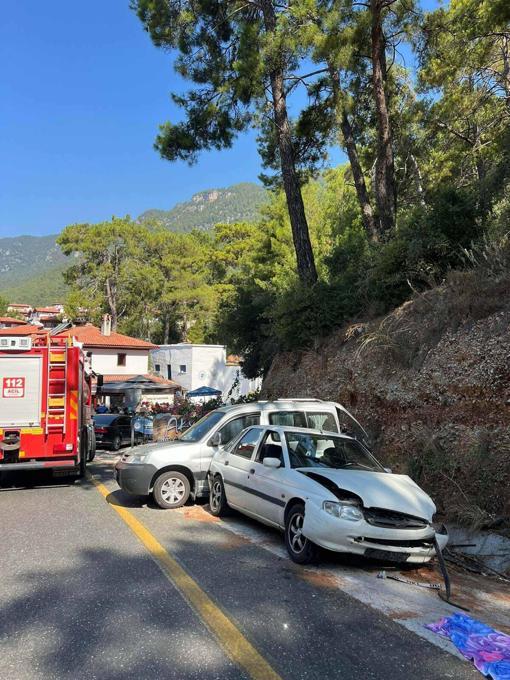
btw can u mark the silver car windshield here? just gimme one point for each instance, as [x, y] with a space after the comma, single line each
[202, 427]
[316, 450]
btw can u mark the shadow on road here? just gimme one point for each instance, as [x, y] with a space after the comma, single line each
[110, 615]
[113, 616]
[32, 479]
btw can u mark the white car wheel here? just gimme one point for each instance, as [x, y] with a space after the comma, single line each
[217, 497]
[300, 548]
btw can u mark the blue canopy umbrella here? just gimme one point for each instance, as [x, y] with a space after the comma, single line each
[204, 392]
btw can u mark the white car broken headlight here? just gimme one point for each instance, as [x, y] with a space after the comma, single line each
[344, 510]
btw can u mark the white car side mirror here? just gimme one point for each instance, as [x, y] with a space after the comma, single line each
[215, 440]
[389, 470]
[271, 462]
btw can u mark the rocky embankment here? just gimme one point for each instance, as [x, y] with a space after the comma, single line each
[431, 383]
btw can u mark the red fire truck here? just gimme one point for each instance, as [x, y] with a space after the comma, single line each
[45, 404]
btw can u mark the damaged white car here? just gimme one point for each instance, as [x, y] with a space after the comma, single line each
[324, 489]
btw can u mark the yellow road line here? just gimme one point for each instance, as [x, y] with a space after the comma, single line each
[235, 644]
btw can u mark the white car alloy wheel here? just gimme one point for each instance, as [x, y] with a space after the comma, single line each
[296, 538]
[216, 492]
[217, 497]
[300, 548]
[171, 490]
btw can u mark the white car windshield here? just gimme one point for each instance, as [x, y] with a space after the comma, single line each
[317, 450]
[202, 427]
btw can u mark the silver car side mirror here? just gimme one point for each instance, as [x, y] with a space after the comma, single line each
[271, 462]
[389, 470]
[215, 440]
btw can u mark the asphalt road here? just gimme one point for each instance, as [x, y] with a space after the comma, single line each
[82, 597]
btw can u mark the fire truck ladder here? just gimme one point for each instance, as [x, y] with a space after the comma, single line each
[57, 401]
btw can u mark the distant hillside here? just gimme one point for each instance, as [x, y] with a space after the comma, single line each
[31, 266]
[31, 269]
[238, 203]
[42, 289]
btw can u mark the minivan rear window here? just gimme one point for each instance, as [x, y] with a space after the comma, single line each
[317, 420]
[322, 421]
[288, 418]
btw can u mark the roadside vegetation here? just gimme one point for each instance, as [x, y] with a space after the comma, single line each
[420, 104]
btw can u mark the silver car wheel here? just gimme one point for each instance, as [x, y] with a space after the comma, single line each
[216, 495]
[173, 490]
[296, 538]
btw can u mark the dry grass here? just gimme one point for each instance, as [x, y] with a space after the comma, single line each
[463, 478]
[407, 334]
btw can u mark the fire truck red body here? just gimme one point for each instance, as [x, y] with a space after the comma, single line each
[45, 404]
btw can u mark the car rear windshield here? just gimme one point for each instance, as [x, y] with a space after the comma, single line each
[315, 450]
[202, 427]
[104, 419]
[315, 420]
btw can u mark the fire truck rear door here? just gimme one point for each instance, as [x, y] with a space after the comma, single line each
[20, 390]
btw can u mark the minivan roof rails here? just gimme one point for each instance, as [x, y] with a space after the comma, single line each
[299, 399]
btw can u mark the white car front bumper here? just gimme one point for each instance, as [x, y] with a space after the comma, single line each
[362, 538]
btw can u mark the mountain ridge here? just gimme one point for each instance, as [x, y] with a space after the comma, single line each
[31, 266]
[236, 203]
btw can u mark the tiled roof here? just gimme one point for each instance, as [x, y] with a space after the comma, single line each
[47, 310]
[108, 378]
[91, 336]
[27, 329]
[10, 319]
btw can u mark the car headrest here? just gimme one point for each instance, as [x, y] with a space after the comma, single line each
[271, 451]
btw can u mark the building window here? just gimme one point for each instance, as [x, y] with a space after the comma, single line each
[121, 359]
[169, 372]
[182, 368]
[157, 368]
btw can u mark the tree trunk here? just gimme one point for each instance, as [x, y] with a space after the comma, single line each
[367, 214]
[112, 303]
[418, 177]
[481, 173]
[300, 234]
[384, 186]
[505, 49]
[166, 329]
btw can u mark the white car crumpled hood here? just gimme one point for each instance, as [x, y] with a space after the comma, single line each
[381, 490]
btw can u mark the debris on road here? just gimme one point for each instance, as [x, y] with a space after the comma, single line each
[433, 586]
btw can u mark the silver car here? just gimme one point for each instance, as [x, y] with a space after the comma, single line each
[176, 470]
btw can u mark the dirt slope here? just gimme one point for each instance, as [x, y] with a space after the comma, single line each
[431, 382]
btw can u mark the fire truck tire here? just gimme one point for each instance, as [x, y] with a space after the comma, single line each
[171, 490]
[92, 445]
[84, 445]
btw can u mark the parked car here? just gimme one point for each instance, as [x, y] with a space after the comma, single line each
[144, 426]
[324, 489]
[175, 470]
[113, 430]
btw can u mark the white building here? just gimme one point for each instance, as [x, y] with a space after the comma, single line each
[194, 365]
[112, 354]
[119, 358]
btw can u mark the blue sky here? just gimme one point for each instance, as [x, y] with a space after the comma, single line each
[83, 91]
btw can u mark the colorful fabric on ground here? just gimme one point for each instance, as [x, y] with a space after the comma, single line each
[487, 648]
